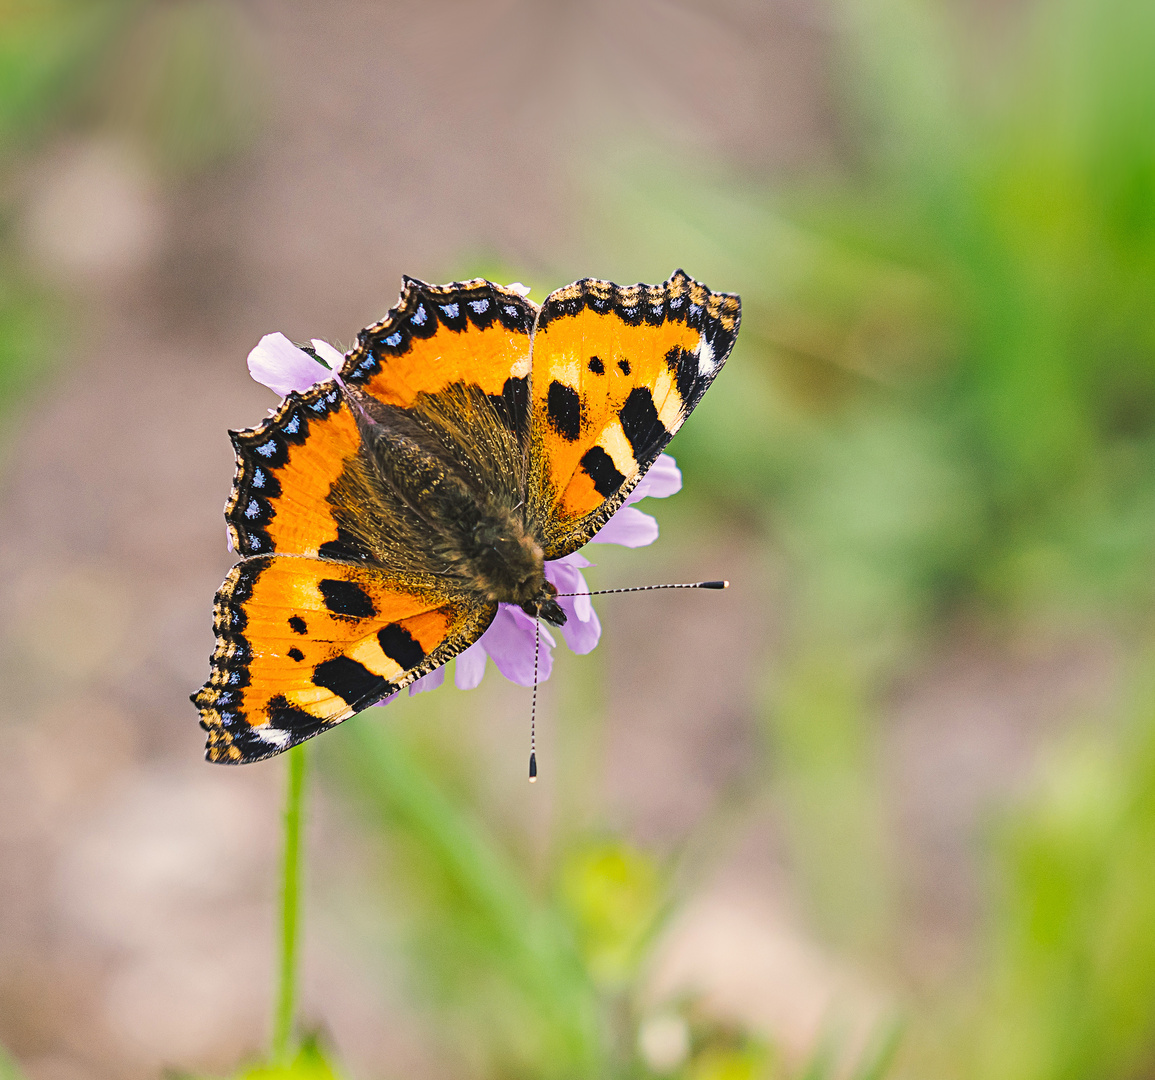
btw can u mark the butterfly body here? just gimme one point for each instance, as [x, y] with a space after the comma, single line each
[470, 438]
[467, 502]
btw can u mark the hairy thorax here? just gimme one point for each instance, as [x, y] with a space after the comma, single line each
[472, 524]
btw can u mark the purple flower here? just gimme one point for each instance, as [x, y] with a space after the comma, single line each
[278, 364]
[509, 642]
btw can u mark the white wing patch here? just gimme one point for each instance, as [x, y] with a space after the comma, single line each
[707, 362]
[271, 735]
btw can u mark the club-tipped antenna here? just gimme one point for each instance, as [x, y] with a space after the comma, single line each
[648, 588]
[533, 707]
[537, 650]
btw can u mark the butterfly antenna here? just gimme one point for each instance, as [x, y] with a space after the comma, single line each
[533, 708]
[537, 651]
[648, 588]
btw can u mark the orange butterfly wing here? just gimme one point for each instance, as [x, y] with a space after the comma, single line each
[473, 333]
[616, 371]
[303, 644]
[286, 468]
[272, 685]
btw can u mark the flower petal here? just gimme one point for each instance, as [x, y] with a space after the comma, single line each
[628, 527]
[278, 364]
[568, 579]
[469, 667]
[575, 558]
[663, 479]
[331, 356]
[519, 288]
[581, 634]
[509, 641]
[582, 629]
[428, 682]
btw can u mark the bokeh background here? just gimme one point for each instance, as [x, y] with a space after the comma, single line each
[885, 808]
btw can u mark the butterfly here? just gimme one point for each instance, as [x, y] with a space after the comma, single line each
[469, 437]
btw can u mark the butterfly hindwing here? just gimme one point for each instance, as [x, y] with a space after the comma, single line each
[616, 371]
[473, 333]
[303, 643]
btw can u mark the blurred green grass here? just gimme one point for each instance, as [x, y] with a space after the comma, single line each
[536, 964]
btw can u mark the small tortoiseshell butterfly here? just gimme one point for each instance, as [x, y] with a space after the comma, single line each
[469, 437]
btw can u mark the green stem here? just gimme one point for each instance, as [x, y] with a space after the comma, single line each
[284, 1042]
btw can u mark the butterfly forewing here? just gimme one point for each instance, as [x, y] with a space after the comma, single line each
[471, 333]
[286, 469]
[616, 371]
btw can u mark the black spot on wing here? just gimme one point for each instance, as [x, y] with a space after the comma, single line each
[346, 548]
[512, 405]
[683, 365]
[253, 513]
[285, 716]
[400, 646]
[297, 625]
[264, 483]
[600, 468]
[600, 297]
[480, 308]
[515, 312]
[247, 574]
[350, 680]
[642, 426]
[625, 366]
[564, 409]
[422, 321]
[296, 654]
[560, 306]
[229, 671]
[596, 365]
[654, 308]
[265, 446]
[293, 421]
[346, 598]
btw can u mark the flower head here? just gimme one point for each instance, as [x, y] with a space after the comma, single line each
[510, 640]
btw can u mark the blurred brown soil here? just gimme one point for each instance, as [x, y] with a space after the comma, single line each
[135, 880]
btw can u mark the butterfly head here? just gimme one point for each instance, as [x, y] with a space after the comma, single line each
[544, 606]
